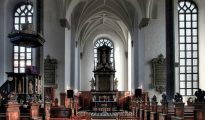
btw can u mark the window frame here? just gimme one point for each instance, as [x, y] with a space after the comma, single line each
[186, 41]
[102, 41]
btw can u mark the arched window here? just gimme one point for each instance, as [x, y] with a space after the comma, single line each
[188, 47]
[22, 55]
[100, 42]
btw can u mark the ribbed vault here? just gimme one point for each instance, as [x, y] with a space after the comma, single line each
[99, 16]
[119, 16]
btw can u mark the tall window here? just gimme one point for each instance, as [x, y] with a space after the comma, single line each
[188, 47]
[100, 42]
[22, 55]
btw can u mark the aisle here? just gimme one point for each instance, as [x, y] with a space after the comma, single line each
[104, 115]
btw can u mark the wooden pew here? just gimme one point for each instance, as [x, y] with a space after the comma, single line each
[178, 111]
[189, 113]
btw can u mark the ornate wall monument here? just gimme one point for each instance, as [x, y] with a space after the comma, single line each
[159, 73]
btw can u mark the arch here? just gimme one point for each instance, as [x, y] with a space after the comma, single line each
[100, 42]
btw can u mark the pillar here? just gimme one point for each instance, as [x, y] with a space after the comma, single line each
[170, 50]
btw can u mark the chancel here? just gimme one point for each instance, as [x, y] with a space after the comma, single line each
[102, 59]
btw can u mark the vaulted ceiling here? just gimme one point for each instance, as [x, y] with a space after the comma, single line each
[90, 18]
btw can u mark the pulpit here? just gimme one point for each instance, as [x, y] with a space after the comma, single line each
[104, 94]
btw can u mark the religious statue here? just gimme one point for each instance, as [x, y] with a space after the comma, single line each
[154, 99]
[30, 87]
[115, 84]
[164, 99]
[200, 96]
[12, 97]
[92, 83]
[178, 98]
[104, 57]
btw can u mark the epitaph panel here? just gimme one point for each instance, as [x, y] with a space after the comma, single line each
[50, 66]
[159, 73]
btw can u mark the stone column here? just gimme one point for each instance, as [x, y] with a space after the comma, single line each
[12, 111]
[170, 49]
[34, 111]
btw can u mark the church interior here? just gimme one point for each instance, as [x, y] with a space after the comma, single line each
[102, 60]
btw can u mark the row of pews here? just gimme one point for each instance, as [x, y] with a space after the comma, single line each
[144, 109]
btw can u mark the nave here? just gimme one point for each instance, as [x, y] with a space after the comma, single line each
[131, 107]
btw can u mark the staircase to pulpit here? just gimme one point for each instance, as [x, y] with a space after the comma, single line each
[104, 92]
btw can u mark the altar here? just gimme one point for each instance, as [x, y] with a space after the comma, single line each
[104, 101]
[104, 88]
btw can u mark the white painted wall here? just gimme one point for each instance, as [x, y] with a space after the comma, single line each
[201, 8]
[155, 44]
[54, 46]
[2, 14]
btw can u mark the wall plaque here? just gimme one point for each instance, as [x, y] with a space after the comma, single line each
[159, 73]
[50, 66]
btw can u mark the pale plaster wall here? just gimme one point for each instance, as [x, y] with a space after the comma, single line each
[54, 46]
[155, 44]
[201, 8]
[2, 14]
